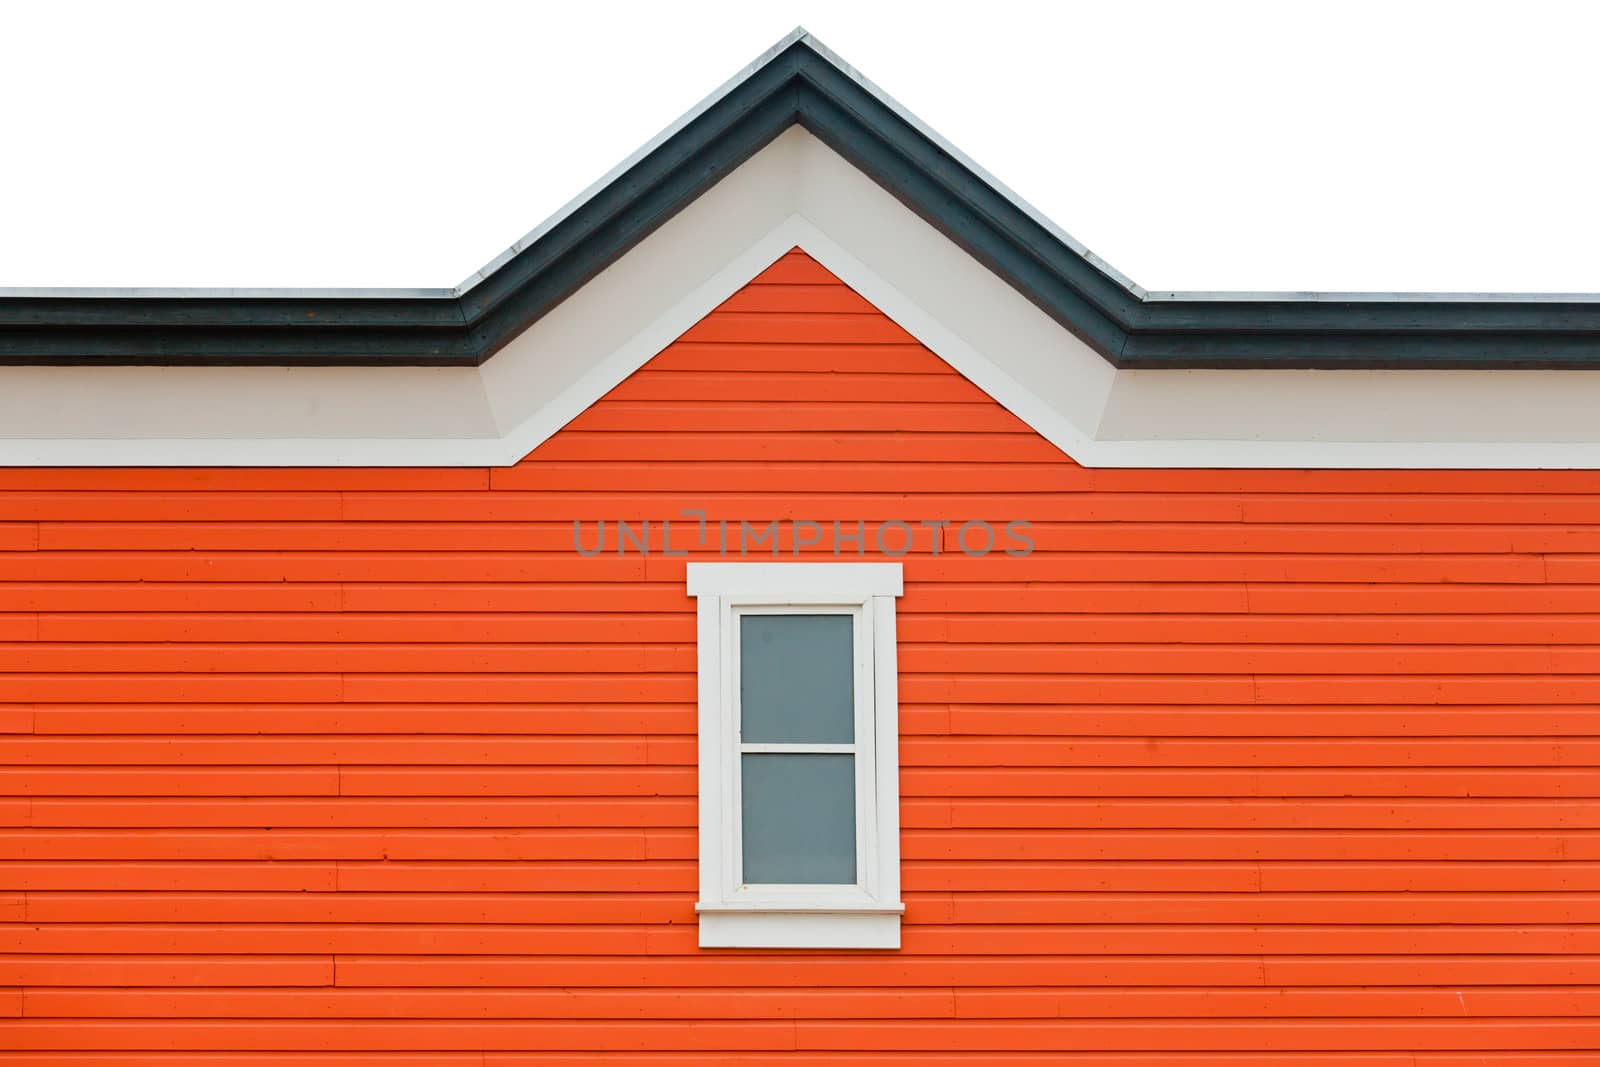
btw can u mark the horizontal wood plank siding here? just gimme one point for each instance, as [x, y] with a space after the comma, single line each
[1262, 768]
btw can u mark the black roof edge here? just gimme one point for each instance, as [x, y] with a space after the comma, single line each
[799, 81]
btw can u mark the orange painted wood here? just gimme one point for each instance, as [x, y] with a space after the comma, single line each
[862, 1003]
[808, 1058]
[702, 1036]
[1273, 768]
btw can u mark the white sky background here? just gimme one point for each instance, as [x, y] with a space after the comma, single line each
[1197, 146]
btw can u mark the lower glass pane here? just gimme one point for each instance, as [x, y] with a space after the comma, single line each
[799, 814]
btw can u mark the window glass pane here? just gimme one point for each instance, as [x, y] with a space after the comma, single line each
[799, 812]
[797, 679]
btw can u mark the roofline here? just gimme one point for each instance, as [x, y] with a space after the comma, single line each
[154, 292]
[797, 81]
[526, 240]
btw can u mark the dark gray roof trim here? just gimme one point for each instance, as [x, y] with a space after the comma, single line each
[798, 81]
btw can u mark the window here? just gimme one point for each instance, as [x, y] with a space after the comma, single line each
[799, 755]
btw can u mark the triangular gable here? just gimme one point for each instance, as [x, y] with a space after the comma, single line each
[794, 369]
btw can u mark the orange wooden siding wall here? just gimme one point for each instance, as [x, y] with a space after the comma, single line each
[316, 767]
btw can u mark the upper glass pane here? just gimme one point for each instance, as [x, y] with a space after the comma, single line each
[797, 679]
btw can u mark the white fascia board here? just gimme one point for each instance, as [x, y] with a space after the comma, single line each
[796, 192]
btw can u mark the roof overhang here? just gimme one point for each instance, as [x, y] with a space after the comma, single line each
[797, 83]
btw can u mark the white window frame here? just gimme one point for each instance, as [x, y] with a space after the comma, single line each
[736, 915]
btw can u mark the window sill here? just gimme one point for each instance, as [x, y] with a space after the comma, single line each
[732, 926]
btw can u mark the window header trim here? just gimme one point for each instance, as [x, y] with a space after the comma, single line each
[797, 583]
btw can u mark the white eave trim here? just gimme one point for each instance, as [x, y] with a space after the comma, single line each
[796, 192]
